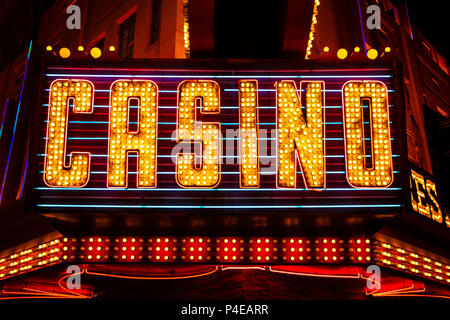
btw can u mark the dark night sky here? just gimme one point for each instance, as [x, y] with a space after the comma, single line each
[432, 19]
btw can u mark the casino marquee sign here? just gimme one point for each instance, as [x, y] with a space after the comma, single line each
[224, 139]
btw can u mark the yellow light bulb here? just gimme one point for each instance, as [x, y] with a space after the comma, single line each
[342, 53]
[372, 54]
[96, 53]
[64, 53]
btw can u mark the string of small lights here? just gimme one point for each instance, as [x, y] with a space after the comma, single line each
[397, 258]
[217, 249]
[224, 251]
[37, 257]
[312, 29]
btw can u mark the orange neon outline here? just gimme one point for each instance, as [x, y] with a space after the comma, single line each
[416, 295]
[320, 275]
[111, 275]
[402, 291]
[72, 154]
[257, 135]
[240, 267]
[391, 293]
[135, 133]
[43, 296]
[418, 205]
[378, 284]
[389, 134]
[30, 293]
[296, 155]
[436, 215]
[219, 149]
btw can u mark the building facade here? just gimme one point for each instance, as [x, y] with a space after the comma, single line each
[287, 34]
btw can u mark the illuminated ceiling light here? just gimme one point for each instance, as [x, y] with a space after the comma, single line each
[80, 48]
[64, 53]
[357, 49]
[96, 53]
[387, 49]
[342, 53]
[372, 54]
[326, 49]
[112, 48]
[49, 48]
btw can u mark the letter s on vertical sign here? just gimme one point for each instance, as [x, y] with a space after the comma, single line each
[435, 214]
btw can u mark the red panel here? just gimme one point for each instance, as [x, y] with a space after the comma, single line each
[201, 26]
[162, 249]
[263, 250]
[229, 249]
[128, 249]
[297, 26]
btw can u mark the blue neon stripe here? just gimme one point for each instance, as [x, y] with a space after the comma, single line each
[213, 76]
[218, 207]
[168, 156]
[230, 173]
[15, 122]
[24, 175]
[229, 90]
[4, 117]
[173, 139]
[273, 90]
[174, 123]
[214, 190]
[222, 107]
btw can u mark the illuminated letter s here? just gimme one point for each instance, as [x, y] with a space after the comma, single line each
[206, 94]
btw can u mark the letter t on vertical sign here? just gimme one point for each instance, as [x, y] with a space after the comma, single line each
[122, 141]
[248, 134]
[300, 136]
[206, 95]
[62, 93]
[359, 174]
